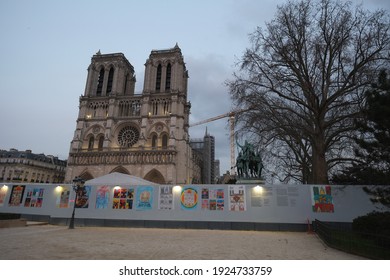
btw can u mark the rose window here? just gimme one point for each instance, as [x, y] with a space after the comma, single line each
[128, 136]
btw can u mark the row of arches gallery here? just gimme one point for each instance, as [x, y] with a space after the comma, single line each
[127, 137]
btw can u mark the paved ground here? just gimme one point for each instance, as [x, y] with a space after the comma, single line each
[48, 242]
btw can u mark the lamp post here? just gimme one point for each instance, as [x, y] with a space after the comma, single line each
[78, 185]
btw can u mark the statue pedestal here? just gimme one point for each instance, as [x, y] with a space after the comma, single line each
[250, 181]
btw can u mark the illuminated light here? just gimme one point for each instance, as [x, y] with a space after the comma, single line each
[177, 188]
[117, 187]
[5, 187]
[58, 189]
[89, 116]
[258, 189]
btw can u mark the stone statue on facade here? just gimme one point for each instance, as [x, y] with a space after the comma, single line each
[248, 162]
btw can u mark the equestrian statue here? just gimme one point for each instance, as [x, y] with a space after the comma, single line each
[248, 163]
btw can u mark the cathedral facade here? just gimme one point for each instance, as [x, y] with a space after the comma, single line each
[145, 135]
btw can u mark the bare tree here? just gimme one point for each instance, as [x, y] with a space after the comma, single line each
[304, 77]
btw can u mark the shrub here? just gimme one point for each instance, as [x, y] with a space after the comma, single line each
[373, 223]
[9, 216]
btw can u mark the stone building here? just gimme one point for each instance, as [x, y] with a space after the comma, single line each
[145, 135]
[25, 166]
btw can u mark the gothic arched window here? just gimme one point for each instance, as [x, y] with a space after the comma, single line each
[164, 141]
[100, 83]
[90, 143]
[110, 80]
[101, 141]
[158, 78]
[154, 141]
[168, 78]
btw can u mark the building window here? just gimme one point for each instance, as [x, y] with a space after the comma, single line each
[110, 79]
[154, 141]
[100, 83]
[135, 108]
[101, 141]
[168, 78]
[155, 107]
[167, 106]
[90, 143]
[158, 78]
[128, 136]
[164, 141]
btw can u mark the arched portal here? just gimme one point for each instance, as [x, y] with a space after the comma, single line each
[86, 175]
[120, 169]
[155, 176]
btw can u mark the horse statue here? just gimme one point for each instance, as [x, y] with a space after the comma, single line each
[248, 163]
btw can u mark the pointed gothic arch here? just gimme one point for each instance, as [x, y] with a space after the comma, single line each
[100, 82]
[86, 175]
[158, 78]
[91, 143]
[100, 142]
[110, 81]
[168, 77]
[155, 176]
[164, 141]
[120, 169]
[154, 140]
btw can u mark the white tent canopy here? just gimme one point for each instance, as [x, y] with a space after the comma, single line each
[116, 178]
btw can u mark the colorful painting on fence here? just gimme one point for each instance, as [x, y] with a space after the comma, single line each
[189, 198]
[102, 197]
[144, 198]
[63, 198]
[16, 195]
[322, 200]
[123, 198]
[3, 192]
[237, 200]
[165, 201]
[34, 197]
[83, 197]
[205, 198]
[213, 199]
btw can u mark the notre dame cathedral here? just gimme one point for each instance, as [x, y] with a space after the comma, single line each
[145, 135]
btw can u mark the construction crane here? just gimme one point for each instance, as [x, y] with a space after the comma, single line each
[232, 117]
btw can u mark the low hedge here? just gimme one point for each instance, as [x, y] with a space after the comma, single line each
[373, 223]
[9, 216]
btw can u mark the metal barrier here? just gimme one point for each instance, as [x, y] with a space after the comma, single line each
[371, 246]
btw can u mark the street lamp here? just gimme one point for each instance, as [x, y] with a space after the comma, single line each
[78, 186]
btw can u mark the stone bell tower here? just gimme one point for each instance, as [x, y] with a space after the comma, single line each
[145, 135]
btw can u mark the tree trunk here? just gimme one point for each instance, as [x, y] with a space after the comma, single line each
[320, 166]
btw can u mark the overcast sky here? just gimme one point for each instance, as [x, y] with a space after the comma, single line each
[46, 47]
